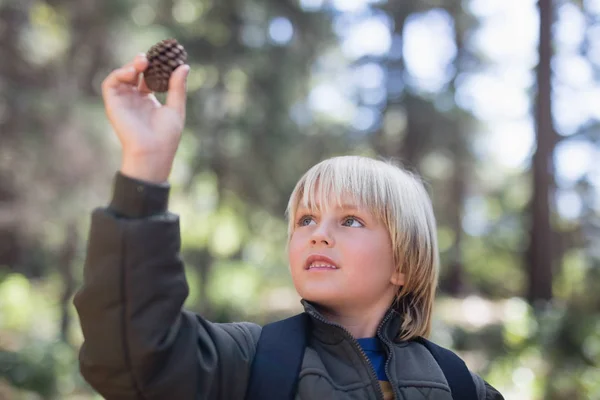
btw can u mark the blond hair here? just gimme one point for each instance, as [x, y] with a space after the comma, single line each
[399, 200]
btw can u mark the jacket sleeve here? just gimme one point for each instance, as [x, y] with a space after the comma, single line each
[485, 391]
[138, 342]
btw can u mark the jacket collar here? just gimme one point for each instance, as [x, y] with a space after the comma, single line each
[329, 332]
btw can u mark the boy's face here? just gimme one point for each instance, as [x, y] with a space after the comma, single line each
[342, 258]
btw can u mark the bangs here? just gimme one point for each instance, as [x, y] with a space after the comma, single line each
[340, 181]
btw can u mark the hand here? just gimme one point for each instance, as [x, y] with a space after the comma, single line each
[149, 131]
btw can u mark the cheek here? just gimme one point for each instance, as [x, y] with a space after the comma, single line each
[294, 250]
[366, 254]
[296, 254]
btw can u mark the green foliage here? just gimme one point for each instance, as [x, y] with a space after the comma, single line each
[31, 359]
[250, 134]
[31, 369]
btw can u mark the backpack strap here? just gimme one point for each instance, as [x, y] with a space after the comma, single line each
[454, 368]
[278, 359]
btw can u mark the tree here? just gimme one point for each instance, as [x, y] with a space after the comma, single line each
[540, 251]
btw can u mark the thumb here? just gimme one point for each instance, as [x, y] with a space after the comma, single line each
[176, 96]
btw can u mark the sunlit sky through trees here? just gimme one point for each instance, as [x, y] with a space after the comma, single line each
[498, 93]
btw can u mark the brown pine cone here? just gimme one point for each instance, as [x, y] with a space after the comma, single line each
[163, 58]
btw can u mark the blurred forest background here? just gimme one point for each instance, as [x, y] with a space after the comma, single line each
[496, 103]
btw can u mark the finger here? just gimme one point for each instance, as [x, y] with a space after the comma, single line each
[140, 63]
[142, 87]
[127, 74]
[123, 75]
[176, 96]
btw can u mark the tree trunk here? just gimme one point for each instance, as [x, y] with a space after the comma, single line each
[66, 261]
[458, 183]
[411, 148]
[541, 243]
[456, 283]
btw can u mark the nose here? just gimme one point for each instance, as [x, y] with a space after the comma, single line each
[322, 236]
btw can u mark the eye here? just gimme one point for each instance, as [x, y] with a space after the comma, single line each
[352, 222]
[305, 220]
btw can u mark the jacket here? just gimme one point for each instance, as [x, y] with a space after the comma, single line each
[139, 343]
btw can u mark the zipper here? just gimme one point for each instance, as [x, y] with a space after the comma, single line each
[388, 345]
[360, 350]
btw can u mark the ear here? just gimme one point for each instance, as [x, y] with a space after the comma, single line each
[397, 278]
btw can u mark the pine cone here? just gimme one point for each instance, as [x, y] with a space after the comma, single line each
[163, 58]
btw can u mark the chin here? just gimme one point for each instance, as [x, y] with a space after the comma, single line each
[329, 293]
[323, 298]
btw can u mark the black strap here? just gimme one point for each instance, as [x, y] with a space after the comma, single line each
[454, 368]
[278, 359]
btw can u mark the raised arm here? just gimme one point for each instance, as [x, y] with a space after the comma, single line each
[139, 343]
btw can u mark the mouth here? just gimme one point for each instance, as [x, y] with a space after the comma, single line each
[319, 262]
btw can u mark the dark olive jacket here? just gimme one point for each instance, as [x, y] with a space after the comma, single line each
[140, 343]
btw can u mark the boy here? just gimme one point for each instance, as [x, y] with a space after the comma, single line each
[363, 256]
